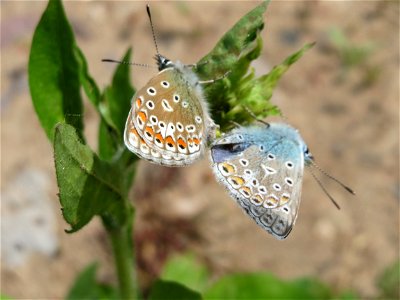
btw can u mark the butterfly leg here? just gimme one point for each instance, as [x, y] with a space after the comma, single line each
[211, 134]
[213, 80]
[253, 115]
[197, 65]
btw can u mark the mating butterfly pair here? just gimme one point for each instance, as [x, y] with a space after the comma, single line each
[261, 166]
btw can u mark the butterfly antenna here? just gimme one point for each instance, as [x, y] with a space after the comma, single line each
[152, 28]
[324, 189]
[333, 178]
[127, 63]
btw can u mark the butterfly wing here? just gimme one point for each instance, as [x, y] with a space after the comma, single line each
[168, 120]
[262, 171]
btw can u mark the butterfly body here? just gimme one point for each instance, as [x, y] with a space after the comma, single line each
[169, 123]
[262, 168]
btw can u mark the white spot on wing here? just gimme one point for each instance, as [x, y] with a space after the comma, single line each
[166, 106]
[170, 129]
[151, 91]
[179, 126]
[150, 105]
[190, 128]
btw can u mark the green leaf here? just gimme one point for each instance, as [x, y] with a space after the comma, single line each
[116, 101]
[4, 297]
[54, 72]
[389, 282]
[240, 40]
[87, 185]
[233, 53]
[347, 295]
[255, 93]
[115, 106]
[270, 80]
[265, 286]
[86, 287]
[88, 83]
[167, 290]
[184, 269]
[109, 141]
[231, 98]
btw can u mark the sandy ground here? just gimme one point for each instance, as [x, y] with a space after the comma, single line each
[349, 117]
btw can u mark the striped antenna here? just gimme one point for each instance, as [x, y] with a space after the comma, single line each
[332, 178]
[324, 189]
[152, 28]
[127, 63]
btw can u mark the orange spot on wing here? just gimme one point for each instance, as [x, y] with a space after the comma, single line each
[271, 201]
[228, 168]
[246, 191]
[159, 138]
[196, 141]
[257, 199]
[284, 199]
[138, 102]
[182, 143]
[170, 140]
[190, 141]
[237, 180]
[149, 130]
[142, 116]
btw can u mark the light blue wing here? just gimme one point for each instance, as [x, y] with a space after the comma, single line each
[262, 169]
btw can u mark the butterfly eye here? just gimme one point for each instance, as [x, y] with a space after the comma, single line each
[307, 153]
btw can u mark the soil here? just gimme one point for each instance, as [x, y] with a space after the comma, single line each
[346, 109]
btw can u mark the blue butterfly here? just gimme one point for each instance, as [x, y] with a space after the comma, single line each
[262, 168]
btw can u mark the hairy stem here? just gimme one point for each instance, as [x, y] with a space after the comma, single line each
[121, 239]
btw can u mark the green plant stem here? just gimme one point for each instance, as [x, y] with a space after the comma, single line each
[122, 245]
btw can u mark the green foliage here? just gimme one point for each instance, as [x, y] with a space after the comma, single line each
[168, 290]
[389, 282]
[54, 72]
[266, 286]
[116, 101]
[185, 270]
[114, 106]
[86, 286]
[88, 186]
[97, 183]
[251, 93]
[231, 98]
[87, 82]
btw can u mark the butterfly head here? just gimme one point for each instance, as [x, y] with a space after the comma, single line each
[163, 62]
[308, 157]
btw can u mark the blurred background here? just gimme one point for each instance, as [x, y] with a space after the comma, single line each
[343, 96]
